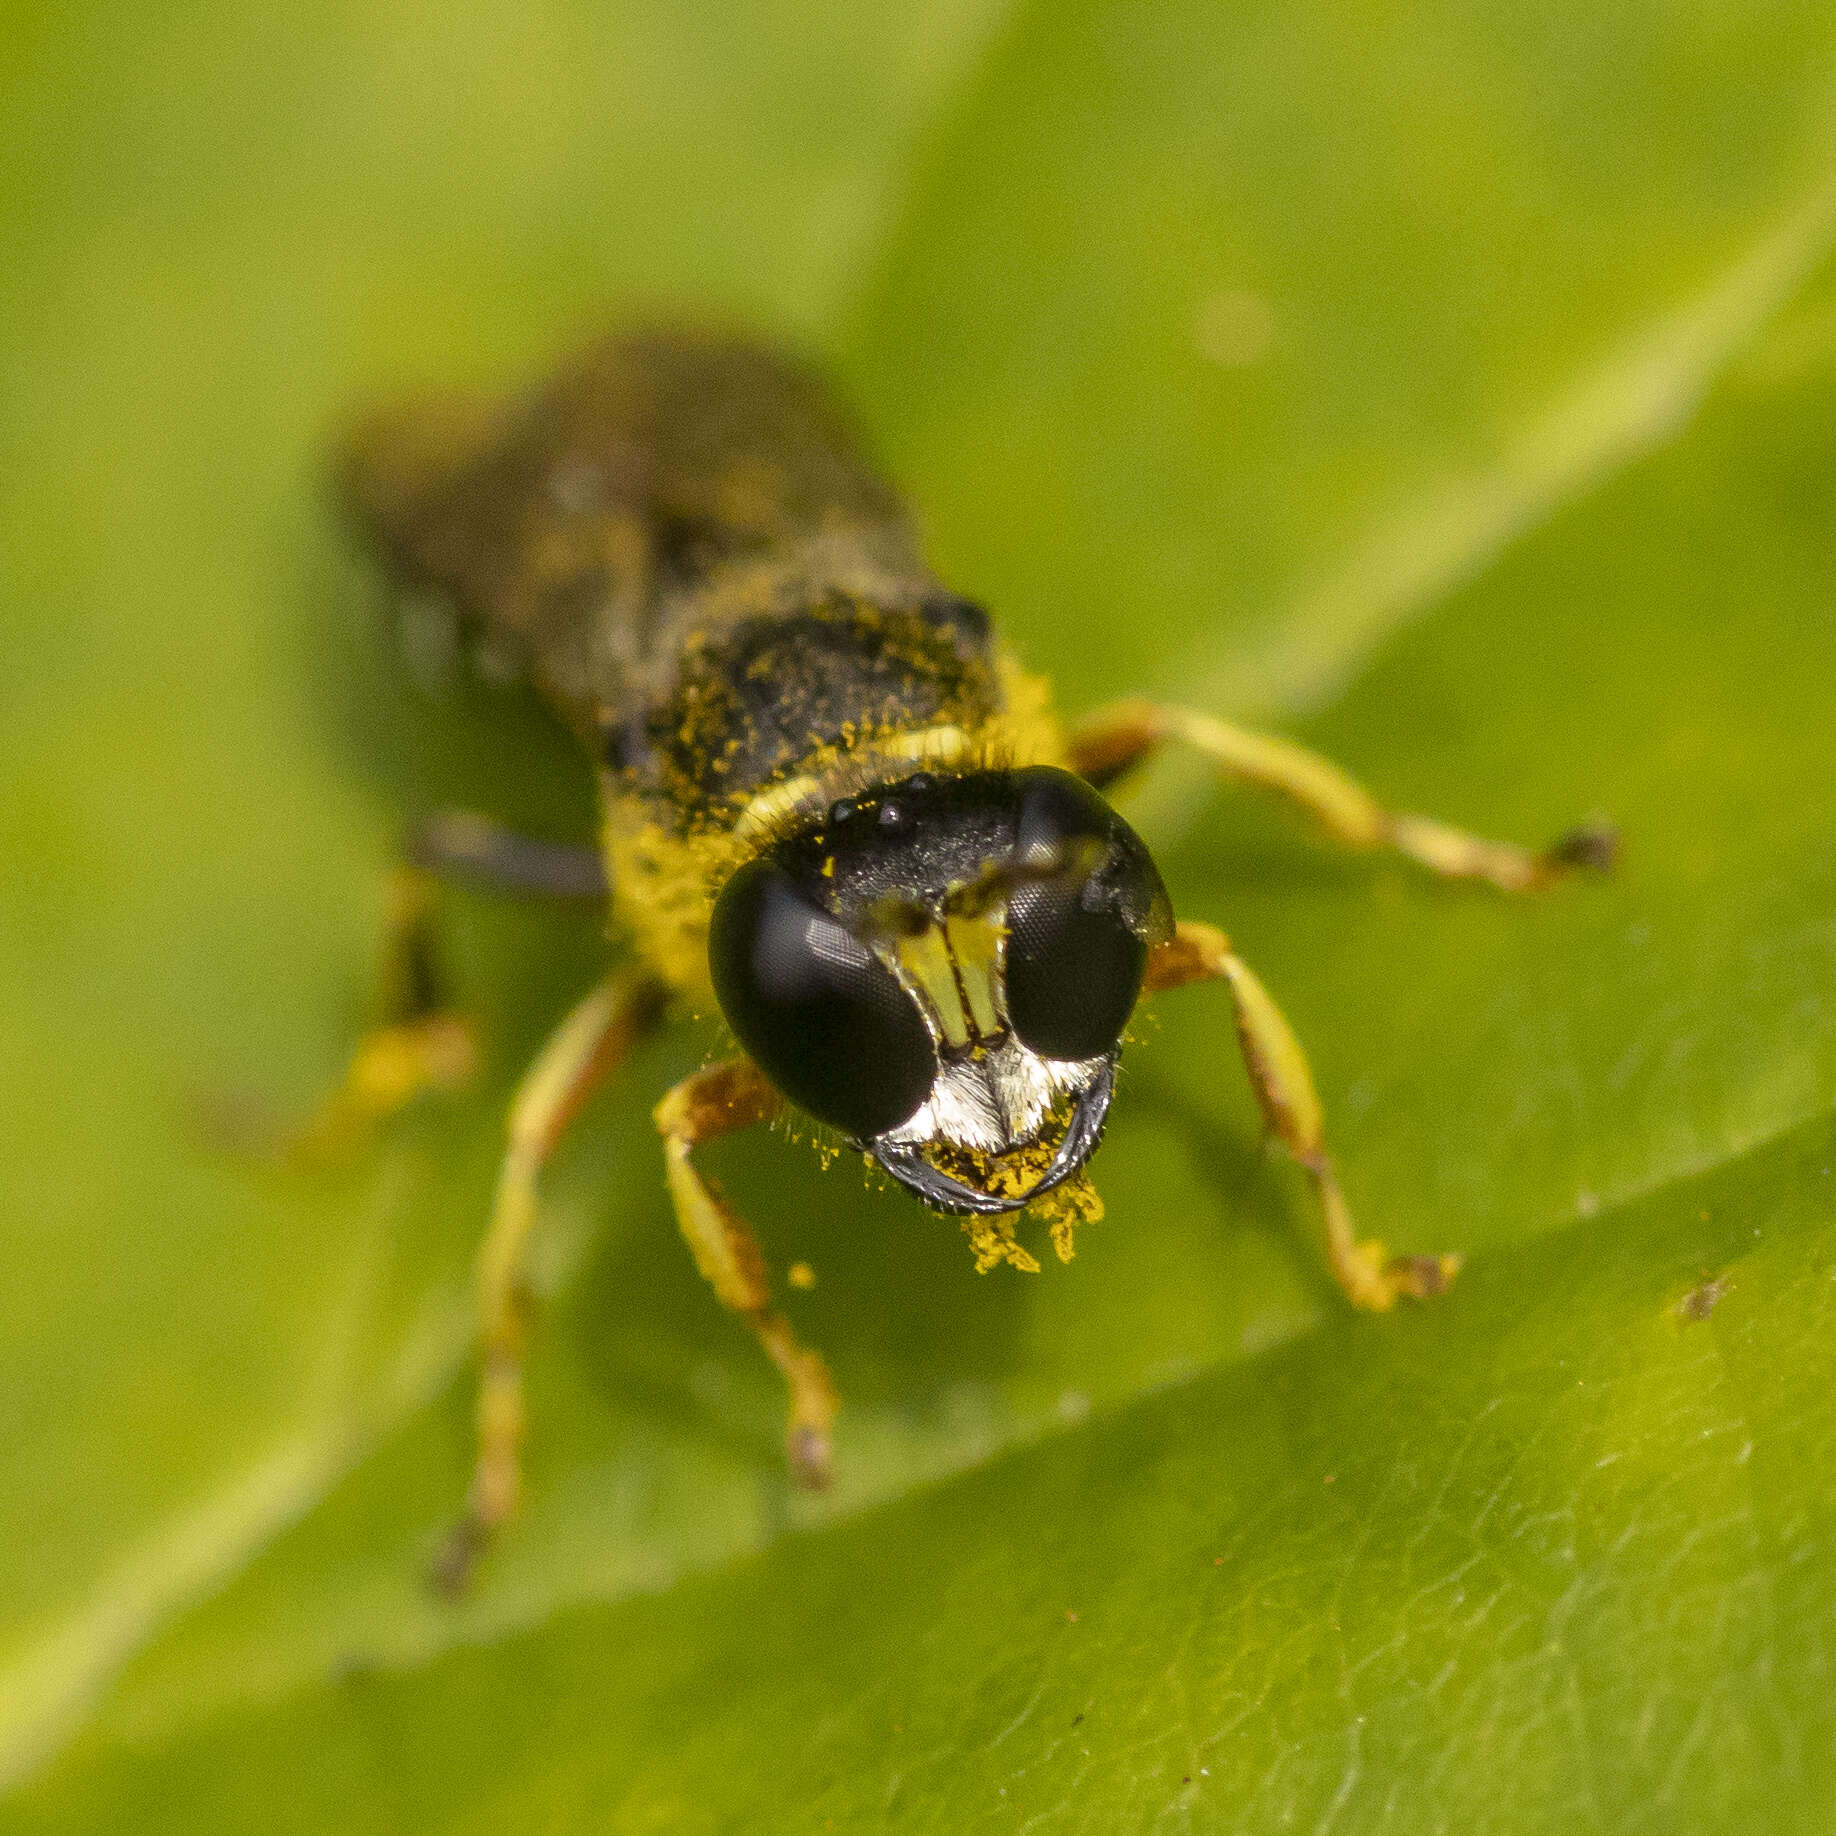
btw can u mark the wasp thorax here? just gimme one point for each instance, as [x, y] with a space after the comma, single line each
[942, 969]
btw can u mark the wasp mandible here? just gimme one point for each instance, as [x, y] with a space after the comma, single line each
[832, 801]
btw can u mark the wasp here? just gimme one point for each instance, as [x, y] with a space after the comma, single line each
[834, 804]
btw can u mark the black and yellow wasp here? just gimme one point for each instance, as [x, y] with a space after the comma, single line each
[832, 800]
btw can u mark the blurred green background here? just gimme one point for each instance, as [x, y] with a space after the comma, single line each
[1455, 383]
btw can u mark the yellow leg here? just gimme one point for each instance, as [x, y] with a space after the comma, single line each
[1114, 740]
[1283, 1083]
[581, 1052]
[714, 1102]
[417, 1044]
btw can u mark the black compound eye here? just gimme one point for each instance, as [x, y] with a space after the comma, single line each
[1080, 921]
[1073, 973]
[825, 1020]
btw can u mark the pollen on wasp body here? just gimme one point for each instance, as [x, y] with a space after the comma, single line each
[835, 804]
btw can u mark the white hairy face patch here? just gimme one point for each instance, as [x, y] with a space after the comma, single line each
[996, 1100]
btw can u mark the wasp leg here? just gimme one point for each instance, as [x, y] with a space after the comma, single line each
[1283, 1083]
[473, 848]
[581, 1052]
[417, 1044]
[714, 1102]
[1120, 737]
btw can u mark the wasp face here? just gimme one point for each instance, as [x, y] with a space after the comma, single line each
[942, 970]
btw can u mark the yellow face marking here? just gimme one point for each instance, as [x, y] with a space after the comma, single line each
[974, 942]
[925, 963]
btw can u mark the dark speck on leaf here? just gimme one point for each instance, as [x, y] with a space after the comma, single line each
[1702, 1299]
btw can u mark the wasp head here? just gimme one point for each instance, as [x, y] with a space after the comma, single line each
[942, 969]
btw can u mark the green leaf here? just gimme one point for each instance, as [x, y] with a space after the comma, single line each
[1544, 1560]
[1422, 377]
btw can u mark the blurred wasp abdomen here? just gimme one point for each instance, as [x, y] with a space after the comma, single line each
[680, 540]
